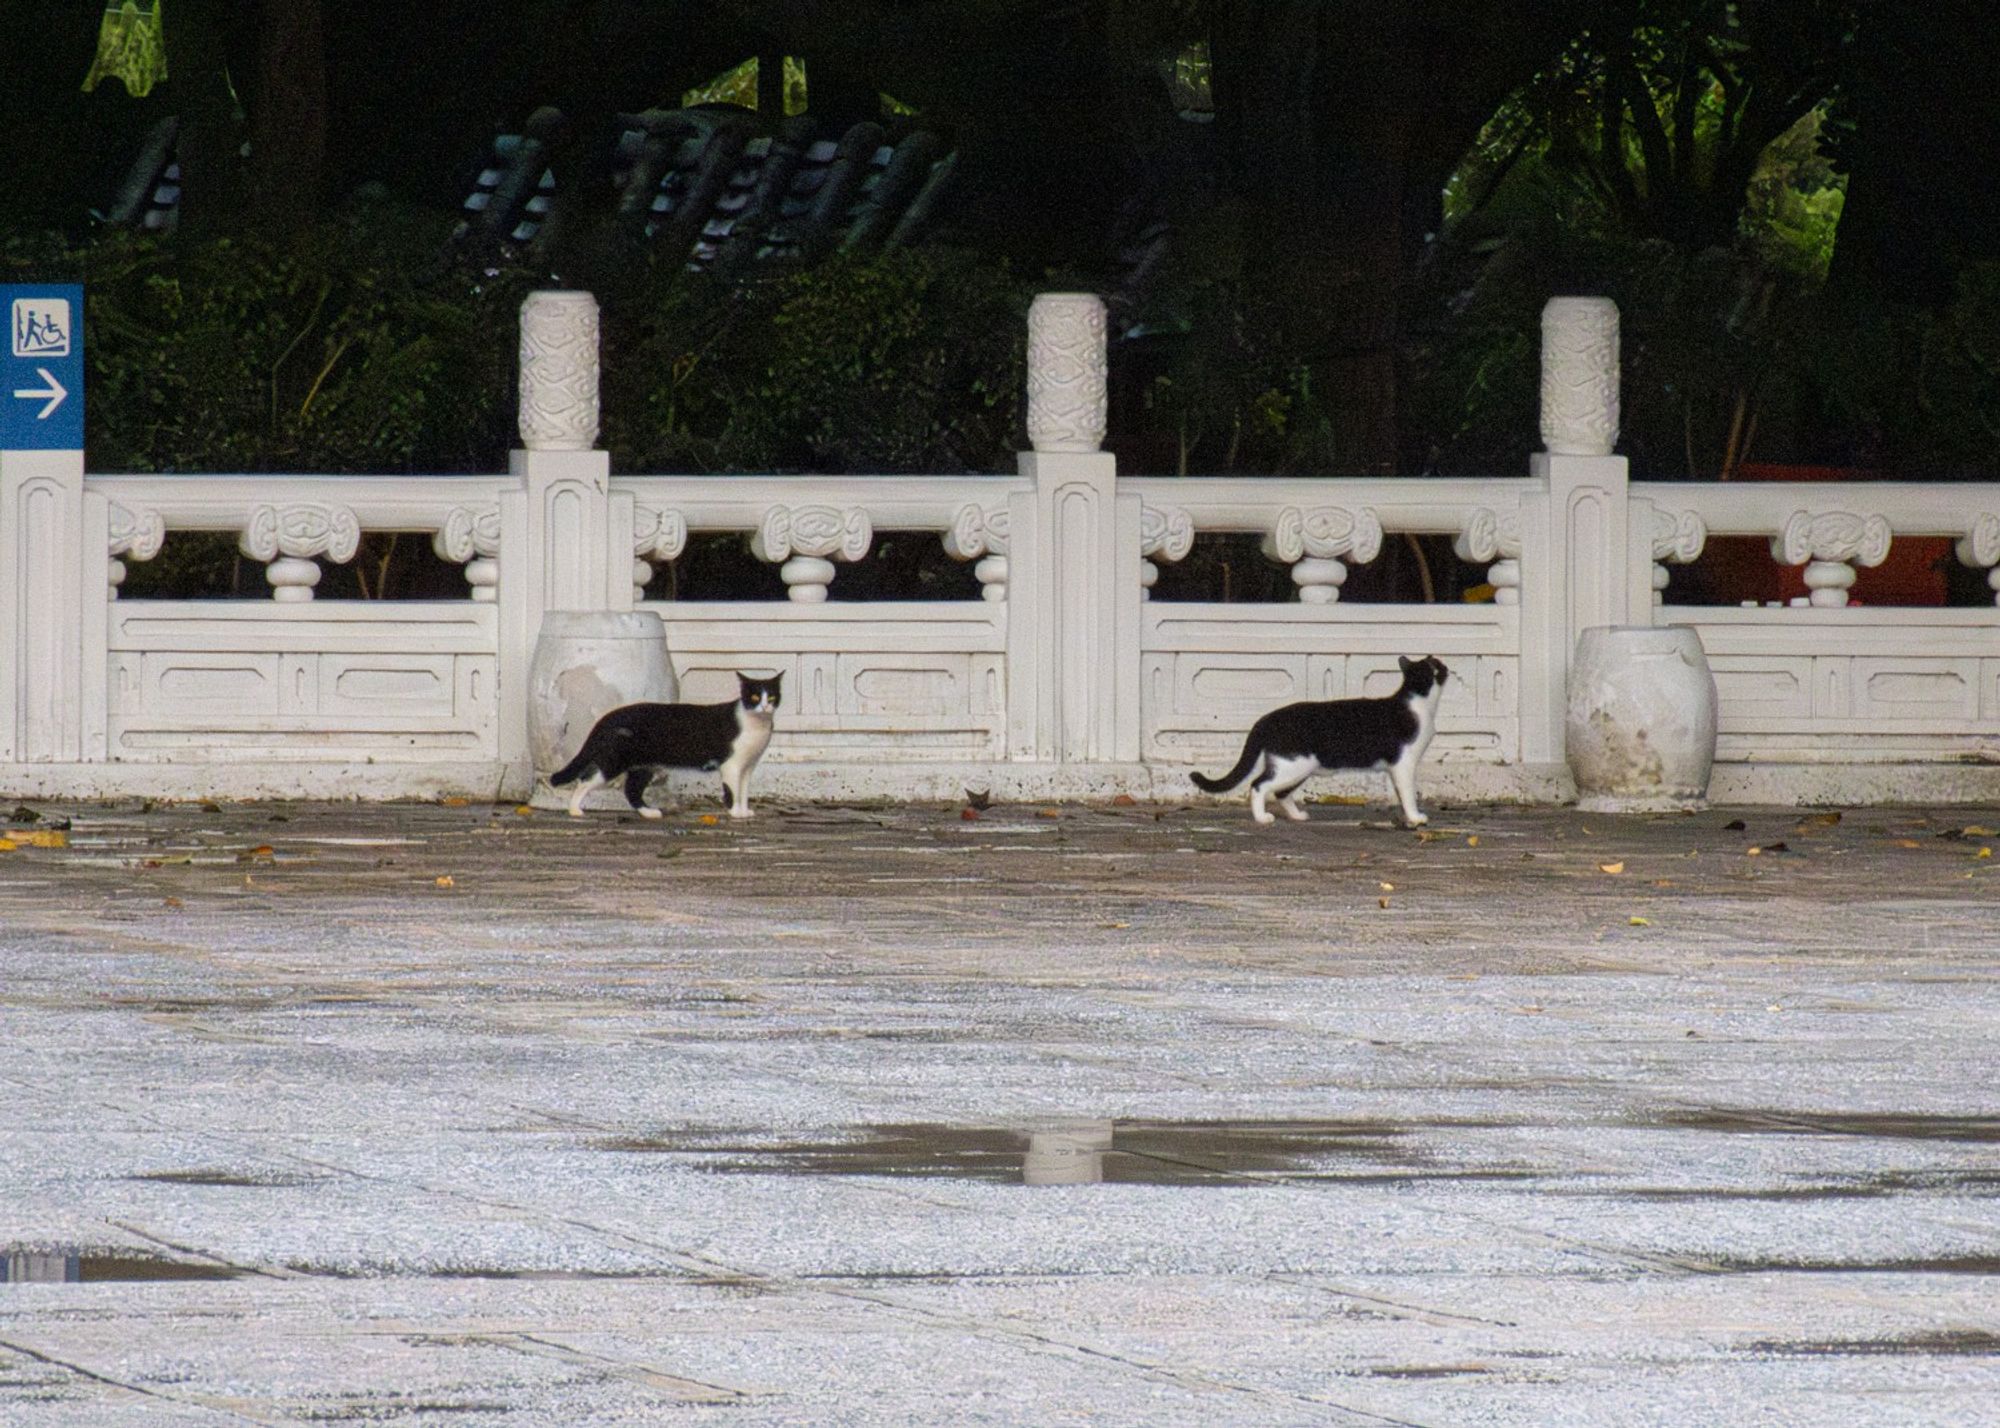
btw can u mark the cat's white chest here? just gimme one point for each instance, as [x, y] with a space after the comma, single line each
[753, 733]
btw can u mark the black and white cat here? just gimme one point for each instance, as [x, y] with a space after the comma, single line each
[638, 740]
[1289, 745]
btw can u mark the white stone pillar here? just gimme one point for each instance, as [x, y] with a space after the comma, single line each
[54, 583]
[1576, 535]
[1075, 544]
[556, 538]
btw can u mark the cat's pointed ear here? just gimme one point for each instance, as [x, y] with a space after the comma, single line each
[1406, 662]
[778, 680]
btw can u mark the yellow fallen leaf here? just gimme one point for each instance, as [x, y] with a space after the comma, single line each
[1381, 902]
[1908, 843]
[710, 819]
[444, 880]
[1638, 922]
[454, 802]
[1754, 852]
[1985, 853]
[1613, 868]
[171, 902]
[1386, 887]
[1472, 841]
[1048, 813]
[53, 839]
[522, 810]
[1977, 831]
[8, 845]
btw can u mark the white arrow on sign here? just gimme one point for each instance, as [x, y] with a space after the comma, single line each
[54, 391]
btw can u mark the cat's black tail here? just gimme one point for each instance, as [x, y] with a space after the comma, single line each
[1251, 753]
[585, 757]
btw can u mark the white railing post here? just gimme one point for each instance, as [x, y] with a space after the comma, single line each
[557, 537]
[50, 601]
[1576, 547]
[1073, 576]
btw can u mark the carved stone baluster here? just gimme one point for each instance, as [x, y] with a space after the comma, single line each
[1067, 372]
[559, 367]
[981, 535]
[470, 537]
[138, 534]
[803, 537]
[658, 536]
[1310, 541]
[1497, 539]
[1677, 536]
[288, 537]
[1166, 532]
[1580, 376]
[1834, 542]
[1979, 548]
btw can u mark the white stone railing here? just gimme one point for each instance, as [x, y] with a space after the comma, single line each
[1063, 677]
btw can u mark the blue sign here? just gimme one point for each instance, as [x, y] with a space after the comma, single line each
[41, 367]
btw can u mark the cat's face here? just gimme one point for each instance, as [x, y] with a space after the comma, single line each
[759, 696]
[1424, 674]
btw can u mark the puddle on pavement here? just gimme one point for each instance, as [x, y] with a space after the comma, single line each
[1881, 1125]
[1979, 1264]
[1980, 1343]
[1081, 1153]
[72, 1267]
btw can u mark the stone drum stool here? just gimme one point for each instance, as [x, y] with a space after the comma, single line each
[587, 663]
[1641, 726]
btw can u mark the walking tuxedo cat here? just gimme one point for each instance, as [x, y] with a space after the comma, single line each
[638, 740]
[1289, 745]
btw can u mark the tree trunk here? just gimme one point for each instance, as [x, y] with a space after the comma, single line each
[197, 34]
[1341, 124]
[288, 120]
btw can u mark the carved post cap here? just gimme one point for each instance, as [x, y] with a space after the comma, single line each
[1580, 376]
[558, 371]
[1067, 370]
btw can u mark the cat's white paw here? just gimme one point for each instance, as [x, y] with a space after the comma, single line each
[1418, 820]
[739, 813]
[575, 812]
[1295, 813]
[1262, 817]
[651, 813]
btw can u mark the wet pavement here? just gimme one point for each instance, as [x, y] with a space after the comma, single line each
[464, 1114]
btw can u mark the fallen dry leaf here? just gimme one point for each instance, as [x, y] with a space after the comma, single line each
[1908, 843]
[1124, 800]
[454, 802]
[1976, 831]
[522, 810]
[1114, 925]
[171, 902]
[1773, 1007]
[1754, 852]
[710, 820]
[1472, 841]
[1381, 902]
[1984, 853]
[969, 815]
[44, 839]
[1613, 868]
[8, 845]
[1638, 922]
[1048, 813]
[444, 880]
[1386, 887]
